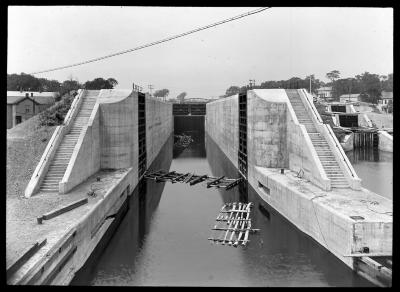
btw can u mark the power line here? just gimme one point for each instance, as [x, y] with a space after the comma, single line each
[157, 42]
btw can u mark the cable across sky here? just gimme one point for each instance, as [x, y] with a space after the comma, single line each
[156, 42]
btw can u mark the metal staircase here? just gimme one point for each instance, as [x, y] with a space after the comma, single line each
[63, 154]
[327, 158]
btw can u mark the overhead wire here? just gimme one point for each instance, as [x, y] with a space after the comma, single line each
[156, 42]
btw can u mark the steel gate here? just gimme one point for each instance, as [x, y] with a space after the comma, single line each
[142, 134]
[242, 153]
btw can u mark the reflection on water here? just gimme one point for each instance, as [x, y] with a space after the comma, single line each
[172, 249]
[375, 168]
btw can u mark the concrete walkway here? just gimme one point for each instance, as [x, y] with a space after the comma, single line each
[22, 229]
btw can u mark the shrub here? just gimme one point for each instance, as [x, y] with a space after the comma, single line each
[55, 114]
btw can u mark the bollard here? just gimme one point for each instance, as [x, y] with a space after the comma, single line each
[40, 220]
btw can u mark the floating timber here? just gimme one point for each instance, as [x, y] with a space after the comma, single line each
[193, 179]
[233, 225]
[183, 141]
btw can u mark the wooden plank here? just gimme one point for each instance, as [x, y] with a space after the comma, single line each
[236, 220]
[197, 180]
[221, 240]
[63, 209]
[26, 255]
[214, 181]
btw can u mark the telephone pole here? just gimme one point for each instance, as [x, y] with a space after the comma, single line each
[252, 83]
[151, 88]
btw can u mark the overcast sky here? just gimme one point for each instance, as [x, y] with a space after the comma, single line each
[276, 44]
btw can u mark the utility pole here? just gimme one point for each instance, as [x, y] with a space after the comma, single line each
[310, 84]
[151, 88]
[252, 83]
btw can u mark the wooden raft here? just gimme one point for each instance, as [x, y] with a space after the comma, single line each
[192, 179]
[233, 225]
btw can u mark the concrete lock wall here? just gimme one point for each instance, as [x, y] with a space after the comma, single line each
[266, 131]
[385, 141]
[110, 140]
[274, 136]
[118, 127]
[159, 126]
[222, 125]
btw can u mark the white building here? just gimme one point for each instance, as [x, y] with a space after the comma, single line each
[354, 97]
[324, 92]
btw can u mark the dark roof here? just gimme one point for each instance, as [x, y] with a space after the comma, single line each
[44, 99]
[15, 99]
[36, 99]
[387, 94]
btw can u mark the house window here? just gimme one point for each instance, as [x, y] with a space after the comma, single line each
[18, 119]
[27, 110]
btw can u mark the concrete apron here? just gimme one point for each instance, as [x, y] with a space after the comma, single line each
[325, 216]
[72, 236]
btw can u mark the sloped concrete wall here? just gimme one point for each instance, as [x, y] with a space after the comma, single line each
[385, 141]
[85, 159]
[159, 126]
[222, 125]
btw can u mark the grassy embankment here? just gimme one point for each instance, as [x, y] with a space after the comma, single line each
[26, 143]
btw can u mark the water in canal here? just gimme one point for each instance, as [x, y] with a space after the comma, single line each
[375, 168]
[162, 239]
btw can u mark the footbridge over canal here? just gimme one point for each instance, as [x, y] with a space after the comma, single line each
[274, 137]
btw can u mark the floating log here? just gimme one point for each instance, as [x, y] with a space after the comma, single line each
[197, 180]
[188, 178]
[214, 181]
[164, 175]
[174, 180]
[232, 184]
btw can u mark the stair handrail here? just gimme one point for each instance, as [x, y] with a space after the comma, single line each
[57, 131]
[68, 117]
[315, 112]
[339, 147]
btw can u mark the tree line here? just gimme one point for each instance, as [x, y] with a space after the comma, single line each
[26, 82]
[368, 85]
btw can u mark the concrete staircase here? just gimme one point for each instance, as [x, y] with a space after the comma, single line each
[327, 158]
[63, 154]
